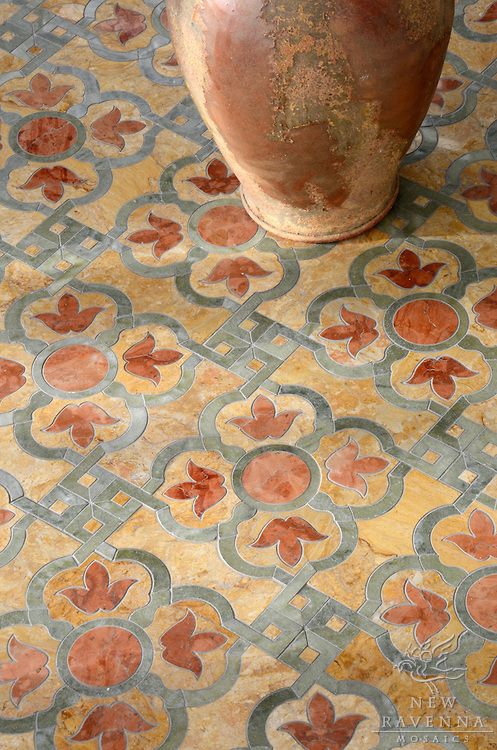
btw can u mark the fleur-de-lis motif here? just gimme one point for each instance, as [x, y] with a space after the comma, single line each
[323, 731]
[143, 359]
[481, 543]
[111, 723]
[359, 331]
[346, 469]
[236, 272]
[11, 377]
[288, 535]
[265, 422]
[5, 516]
[52, 181]
[411, 272]
[426, 610]
[97, 593]
[41, 93]
[26, 669]
[445, 85]
[80, 420]
[165, 234]
[491, 678]
[486, 310]
[218, 180]
[206, 488]
[441, 373]
[182, 645]
[109, 128]
[486, 191]
[127, 23]
[489, 15]
[69, 316]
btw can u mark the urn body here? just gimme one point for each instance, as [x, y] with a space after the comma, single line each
[313, 103]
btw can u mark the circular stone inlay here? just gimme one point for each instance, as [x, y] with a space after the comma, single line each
[481, 602]
[276, 477]
[47, 136]
[75, 368]
[426, 321]
[226, 226]
[104, 656]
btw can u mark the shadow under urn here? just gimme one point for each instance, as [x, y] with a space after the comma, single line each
[313, 103]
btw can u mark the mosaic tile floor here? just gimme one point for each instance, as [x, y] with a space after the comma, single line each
[248, 489]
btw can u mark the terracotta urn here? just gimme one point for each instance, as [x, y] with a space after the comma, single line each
[313, 103]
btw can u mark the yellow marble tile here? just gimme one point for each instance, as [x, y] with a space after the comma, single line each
[43, 543]
[259, 675]
[355, 398]
[190, 563]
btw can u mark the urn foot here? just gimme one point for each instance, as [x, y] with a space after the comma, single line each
[316, 227]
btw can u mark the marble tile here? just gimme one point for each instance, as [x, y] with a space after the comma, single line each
[248, 487]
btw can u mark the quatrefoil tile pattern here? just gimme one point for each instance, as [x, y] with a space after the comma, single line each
[248, 488]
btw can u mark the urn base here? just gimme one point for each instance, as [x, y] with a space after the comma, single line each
[316, 227]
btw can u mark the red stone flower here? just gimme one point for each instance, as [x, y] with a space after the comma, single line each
[412, 273]
[11, 377]
[235, 273]
[110, 724]
[79, 419]
[5, 516]
[206, 488]
[165, 234]
[52, 181]
[109, 128]
[26, 669]
[490, 14]
[346, 469]
[288, 535]
[70, 317]
[265, 422]
[441, 372]
[481, 543]
[486, 310]
[360, 331]
[164, 19]
[444, 85]
[98, 593]
[323, 732]
[127, 23]
[41, 93]
[427, 610]
[486, 191]
[181, 646]
[218, 180]
[142, 359]
[491, 678]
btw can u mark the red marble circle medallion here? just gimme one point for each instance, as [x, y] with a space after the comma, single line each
[276, 477]
[426, 321]
[226, 226]
[481, 602]
[104, 656]
[75, 368]
[47, 136]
